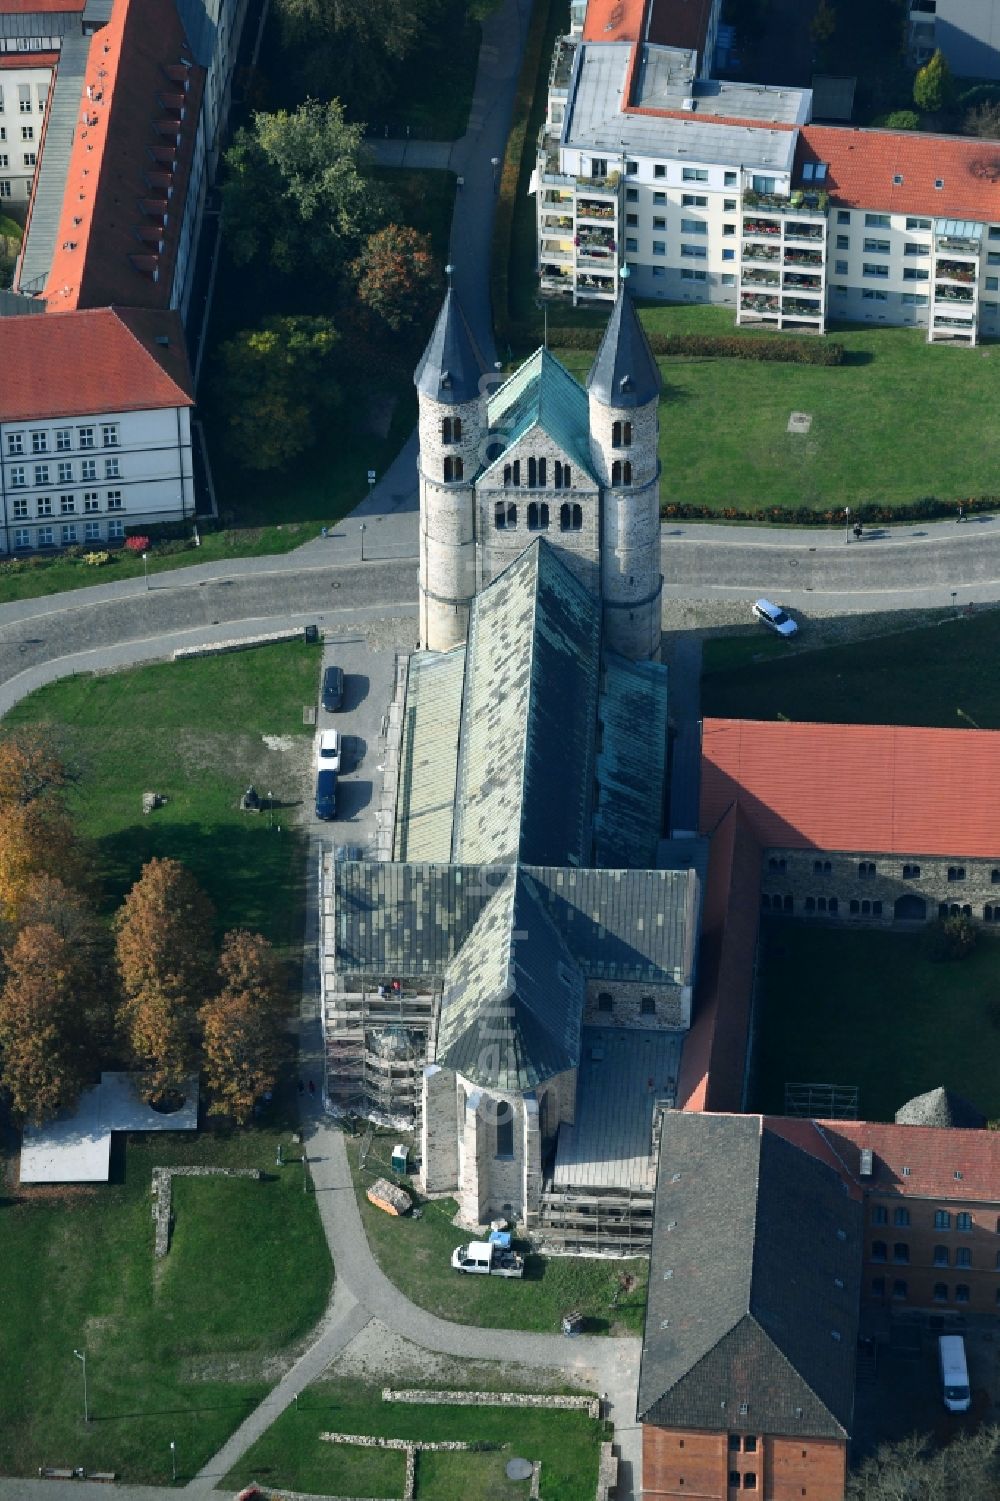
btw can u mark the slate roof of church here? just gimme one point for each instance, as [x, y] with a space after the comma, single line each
[513, 999]
[940, 1107]
[624, 372]
[451, 366]
[428, 755]
[631, 767]
[751, 1322]
[411, 920]
[527, 749]
[542, 393]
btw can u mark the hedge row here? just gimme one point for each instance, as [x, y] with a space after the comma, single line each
[927, 508]
[503, 222]
[760, 347]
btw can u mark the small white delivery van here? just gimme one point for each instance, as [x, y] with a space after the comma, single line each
[954, 1373]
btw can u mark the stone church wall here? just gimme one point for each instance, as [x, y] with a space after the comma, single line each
[672, 1005]
[871, 889]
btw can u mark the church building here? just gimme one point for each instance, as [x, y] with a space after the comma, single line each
[540, 456]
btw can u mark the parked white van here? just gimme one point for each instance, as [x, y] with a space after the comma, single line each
[954, 1373]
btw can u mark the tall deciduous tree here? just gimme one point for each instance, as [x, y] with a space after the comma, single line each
[277, 383]
[967, 1469]
[242, 1026]
[36, 835]
[46, 1055]
[398, 279]
[934, 86]
[163, 945]
[294, 194]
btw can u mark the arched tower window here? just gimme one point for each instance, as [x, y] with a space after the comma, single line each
[626, 472]
[532, 474]
[616, 472]
[570, 517]
[538, 516]
[500, 515]
[456, 430]
[616, 435]
[505, 1130]
[446, 430]
[567, 476]
[511, 515]
[542, 480]
[506, 474]
[517, 471]
[454, 469]
[557, 475]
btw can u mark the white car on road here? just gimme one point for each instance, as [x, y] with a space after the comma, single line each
[328, 751]
[774, 616]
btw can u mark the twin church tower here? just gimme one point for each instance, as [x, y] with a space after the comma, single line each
[538, 456]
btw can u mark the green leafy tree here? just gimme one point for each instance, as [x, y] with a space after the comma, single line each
[823, 24]
[902, 119]
[295, 195]
[275, 384]
[934, 86]
[357, 43]
[398, 279]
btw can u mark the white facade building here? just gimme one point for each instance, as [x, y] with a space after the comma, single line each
[76, 470]
[24, 90]
[719, 192]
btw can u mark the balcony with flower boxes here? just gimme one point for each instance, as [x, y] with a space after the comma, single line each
[798, 282]
[945, 292]
[760, 228]
[796, 229]
[758, 277]
[759, 302]
[755, 252]
[601, 210]
[960, 271]
[793, 256]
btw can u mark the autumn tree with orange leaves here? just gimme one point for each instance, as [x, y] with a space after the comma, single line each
[36, 835]
[243, 1026]
[47, 1007]
[164, 950]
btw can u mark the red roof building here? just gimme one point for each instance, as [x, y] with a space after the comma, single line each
[906, 171]
[890, 788]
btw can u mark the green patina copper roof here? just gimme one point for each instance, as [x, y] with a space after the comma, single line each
[513, 998]
[543, 394]
[428, 756]
[631, 765]
[526, 758]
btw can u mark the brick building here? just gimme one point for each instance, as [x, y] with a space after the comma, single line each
[747, 1378]
[866, 824]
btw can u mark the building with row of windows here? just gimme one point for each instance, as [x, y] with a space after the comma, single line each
[111, 116]
[725, 192]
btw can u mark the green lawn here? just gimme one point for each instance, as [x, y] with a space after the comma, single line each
[291, 1455]
[192, 730]
[869, 1008]
[923, 676]
[723, 438]
[416, 1256]
[175, 1349]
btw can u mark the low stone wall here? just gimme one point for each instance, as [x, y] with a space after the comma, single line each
[243, 643]
[163, 1194]
[371, 1441]
[590, 1405]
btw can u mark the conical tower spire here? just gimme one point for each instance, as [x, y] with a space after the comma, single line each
[625, 373]
[451, 366]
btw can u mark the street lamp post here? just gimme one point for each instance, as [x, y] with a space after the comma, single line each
[270, 811]
[81, 1355]
[305, 1190]
[173, 1460]
[847, 520]
[363, 530]
[145, 570]
[495, 164]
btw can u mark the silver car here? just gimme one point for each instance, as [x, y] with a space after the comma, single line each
[774, 616]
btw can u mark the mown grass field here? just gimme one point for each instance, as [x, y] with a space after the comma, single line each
[193, 731]
[176, 1350]
[416, 1256]
[942, 675]
[292, 1455]
[836, 1006]
[723, 422]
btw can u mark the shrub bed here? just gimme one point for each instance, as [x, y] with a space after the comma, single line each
[759, 347]
[927, 508]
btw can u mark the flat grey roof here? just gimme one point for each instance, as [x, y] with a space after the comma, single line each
[622, 1073]
[595, 121]
[667, 78]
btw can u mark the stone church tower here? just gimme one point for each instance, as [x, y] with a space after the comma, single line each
[452, 400]
[540, 456]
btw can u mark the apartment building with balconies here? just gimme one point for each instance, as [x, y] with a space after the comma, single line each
[718, 192]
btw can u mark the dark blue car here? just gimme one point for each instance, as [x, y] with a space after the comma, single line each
[326, 795]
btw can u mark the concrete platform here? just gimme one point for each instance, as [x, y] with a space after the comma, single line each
[77, 1148]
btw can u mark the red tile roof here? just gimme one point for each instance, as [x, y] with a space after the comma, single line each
[882, 788]
[11, 61]
[863, 166]
[39, 7]
[713, 1061]
[933, 1155]
[614, 20]
[116, 241]
[102, 360]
